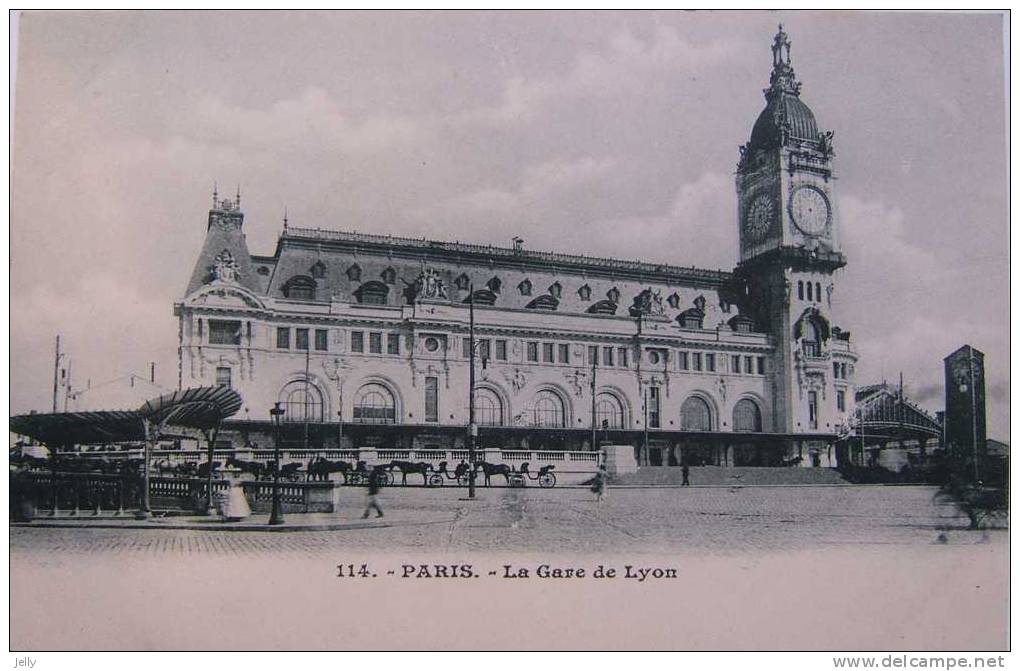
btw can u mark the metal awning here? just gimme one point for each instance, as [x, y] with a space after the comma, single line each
[196, 408]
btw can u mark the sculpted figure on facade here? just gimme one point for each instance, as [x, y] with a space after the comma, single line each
[516, 379]
[225, 267]
[429, 284]
[648, 302]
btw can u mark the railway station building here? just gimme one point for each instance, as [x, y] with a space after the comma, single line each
[363, 337]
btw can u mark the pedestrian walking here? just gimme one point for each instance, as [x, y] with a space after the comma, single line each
[686, 471]
[600, 484]
[374, 483]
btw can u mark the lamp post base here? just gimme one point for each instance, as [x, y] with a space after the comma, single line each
[142, 514]
[275, 520]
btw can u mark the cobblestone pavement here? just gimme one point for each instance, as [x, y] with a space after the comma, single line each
[699, 520]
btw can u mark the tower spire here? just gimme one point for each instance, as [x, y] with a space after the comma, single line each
[215, 195]
[285, 217]
[237, 202]
[783, 79]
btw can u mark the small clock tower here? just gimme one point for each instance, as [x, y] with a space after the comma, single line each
[789, 255]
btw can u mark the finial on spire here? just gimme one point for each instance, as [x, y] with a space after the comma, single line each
[215, 195]
[285, 217]
[783, 79]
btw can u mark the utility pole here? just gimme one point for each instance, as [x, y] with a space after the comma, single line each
[973, 413]
[67, 384]
[56, 373]
[594, 367]
[472, 428]
[308, 355]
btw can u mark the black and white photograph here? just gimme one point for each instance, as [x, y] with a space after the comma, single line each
[510, 330]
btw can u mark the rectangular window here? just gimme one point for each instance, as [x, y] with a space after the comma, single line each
[547, 352]
[564, 353]
[301, 338]
[697, 360]
[842, 370]
[223, 376]
[432, 399]
[683, 360]
[607, 355]
[321, 339]
[375, 342]
[710, 363]
[813, 409]
[466, 348]
[532, 351]
[749, 365]
[653, 407]
[357, 341]
[393, 343]
[282, 337]
[761, 365]
[501, 350]
[841, 400]
[622, 358]
[224, 332]
[593, 355]
[735, 363]
[835, 370]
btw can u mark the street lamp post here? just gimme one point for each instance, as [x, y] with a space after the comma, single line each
[472, 427]
[276, 516]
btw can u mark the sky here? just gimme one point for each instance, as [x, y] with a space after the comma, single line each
[602, 133]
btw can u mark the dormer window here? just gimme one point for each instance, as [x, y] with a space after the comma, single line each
[462, 282]
[354, 273]
[691, 319]
[524, 287]
[372, 293]
[544, 302]
[584, 293]
[494, 285]
[318, 270]
[674, 300]
[299, 288]
[613, 295]
[555, 289]
[389, 276]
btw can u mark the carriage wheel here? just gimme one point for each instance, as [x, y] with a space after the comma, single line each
[388, 479]
[354, 479]
[547, 480]
[435, 480]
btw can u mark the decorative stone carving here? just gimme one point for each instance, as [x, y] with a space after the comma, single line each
[829, 288]
[720, 384]
[225, 267]
[429, 285]
[576, 378]
[516, 379]
[648, 302]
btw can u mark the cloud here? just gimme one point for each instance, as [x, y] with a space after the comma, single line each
[312, 121]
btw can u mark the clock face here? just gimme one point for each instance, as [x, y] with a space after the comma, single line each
[809, 209]
[759, 218]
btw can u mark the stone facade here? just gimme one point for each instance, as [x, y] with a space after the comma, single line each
[363, 338]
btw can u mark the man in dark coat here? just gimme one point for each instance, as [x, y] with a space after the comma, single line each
[374, 483]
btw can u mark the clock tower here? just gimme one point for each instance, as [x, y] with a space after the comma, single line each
[789, 255]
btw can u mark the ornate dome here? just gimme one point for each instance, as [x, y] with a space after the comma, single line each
[787, 110]
[785, 116]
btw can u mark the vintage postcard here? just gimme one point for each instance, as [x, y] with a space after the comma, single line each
[510, 330]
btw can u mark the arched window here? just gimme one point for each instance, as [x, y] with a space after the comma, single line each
[374, 404]
[584, 293]
[746, 416]
[695, 415]
[318, 270]
[462, 282]
[800, 290]
[299, 288]
[300, 401]
[547, 410]
[389, 276]
[613, 295]
[555, 290]
[488, 408]
[608, 412]
[524, 287]
[494, 285]
[354, 273]
[811, 342]
[818, 291]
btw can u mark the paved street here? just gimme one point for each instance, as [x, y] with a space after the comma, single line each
[754, 568]
[715, 520]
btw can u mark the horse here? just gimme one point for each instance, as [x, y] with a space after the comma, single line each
[256, 468]
[493, 469]
[321, 468]
[406, 467]
[203, 468]
[462, 469]
[287, 471]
